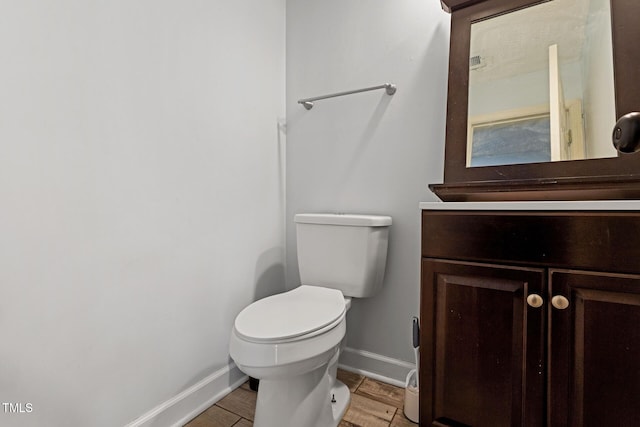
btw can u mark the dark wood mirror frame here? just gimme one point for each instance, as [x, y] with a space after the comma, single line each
[592, 179]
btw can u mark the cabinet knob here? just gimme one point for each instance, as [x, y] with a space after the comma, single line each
[535, 300]
[560, 302]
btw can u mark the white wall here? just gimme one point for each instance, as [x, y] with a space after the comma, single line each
[140, 192]
[370, 152]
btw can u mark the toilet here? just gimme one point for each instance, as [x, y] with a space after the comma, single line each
[291, 341]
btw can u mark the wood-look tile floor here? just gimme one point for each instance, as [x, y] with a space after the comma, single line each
[373, 404]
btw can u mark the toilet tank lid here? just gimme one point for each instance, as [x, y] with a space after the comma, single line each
[343, 219]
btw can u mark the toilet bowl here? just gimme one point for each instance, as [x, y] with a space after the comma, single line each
[295, 356]
[292, 341]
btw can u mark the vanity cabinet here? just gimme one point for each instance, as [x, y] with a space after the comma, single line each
[530, 318]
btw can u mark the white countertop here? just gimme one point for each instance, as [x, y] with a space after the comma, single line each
[590, 205]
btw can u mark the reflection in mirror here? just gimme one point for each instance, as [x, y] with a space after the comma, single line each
[541, 85]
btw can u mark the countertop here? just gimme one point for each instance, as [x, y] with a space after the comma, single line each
[588, 205]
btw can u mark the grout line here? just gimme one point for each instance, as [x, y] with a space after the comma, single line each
[241, 418]
[359, 384]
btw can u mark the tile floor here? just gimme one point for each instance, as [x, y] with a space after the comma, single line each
[373, 404]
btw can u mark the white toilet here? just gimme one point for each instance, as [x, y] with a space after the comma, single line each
[291, 341]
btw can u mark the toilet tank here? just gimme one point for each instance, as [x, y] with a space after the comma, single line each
[344, 252]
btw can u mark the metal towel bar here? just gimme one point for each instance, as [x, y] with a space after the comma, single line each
[308, 102]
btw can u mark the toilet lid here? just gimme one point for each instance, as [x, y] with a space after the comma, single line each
[298, 312]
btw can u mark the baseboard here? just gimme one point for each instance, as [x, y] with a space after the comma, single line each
[183, 407]
[376, 366]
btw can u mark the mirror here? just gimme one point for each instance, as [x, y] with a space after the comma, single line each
[541, 85]
[602, 174]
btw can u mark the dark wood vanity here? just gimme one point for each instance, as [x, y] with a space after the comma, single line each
[530, 318]
[530, 304]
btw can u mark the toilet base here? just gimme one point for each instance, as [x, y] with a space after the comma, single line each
[342, 397]
[304, 400]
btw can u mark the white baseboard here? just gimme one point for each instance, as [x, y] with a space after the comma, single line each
[376, 366]
[183, 407]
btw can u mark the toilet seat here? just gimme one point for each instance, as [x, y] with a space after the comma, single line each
[297, 314]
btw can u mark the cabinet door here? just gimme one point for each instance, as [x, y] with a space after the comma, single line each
[594, 351]
[482, 345]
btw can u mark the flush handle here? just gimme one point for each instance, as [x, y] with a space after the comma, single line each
[535, 300]
[560, 302]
